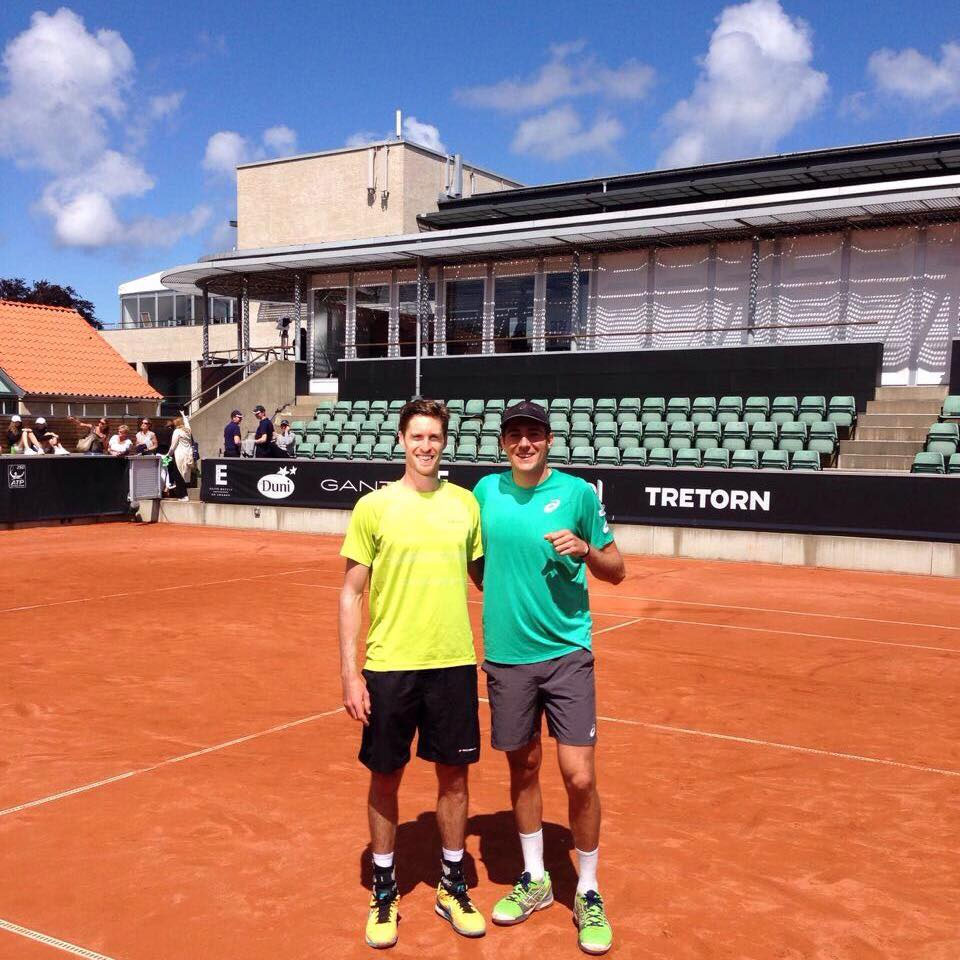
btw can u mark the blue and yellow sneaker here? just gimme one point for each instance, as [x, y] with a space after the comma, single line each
[384, 912]
[596, 935]
[526, 897]
[454, 904]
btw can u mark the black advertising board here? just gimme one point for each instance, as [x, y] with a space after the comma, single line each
[61, 488]
[900, 506]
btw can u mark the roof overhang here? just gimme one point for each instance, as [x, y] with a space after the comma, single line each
[270, 272]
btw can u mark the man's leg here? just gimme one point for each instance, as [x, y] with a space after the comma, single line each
[452, 802]
[579, 777]
[525, 792]
[383, 811]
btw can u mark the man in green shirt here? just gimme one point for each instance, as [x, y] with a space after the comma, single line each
[415, 541]
[542, 530]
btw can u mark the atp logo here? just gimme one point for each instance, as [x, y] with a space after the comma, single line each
[16, 476]
[551, 506]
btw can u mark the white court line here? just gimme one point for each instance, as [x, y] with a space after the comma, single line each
[788, 633]
[139, 593]
[616, 626]
[690, 732]
[792, 613]
[165, 763]
[51, 941]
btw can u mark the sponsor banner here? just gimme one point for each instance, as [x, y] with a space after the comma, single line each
[902, 506]
[59, 488]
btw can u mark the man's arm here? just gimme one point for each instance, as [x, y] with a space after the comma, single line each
[475, 569]
[355, 696]
[605, 564]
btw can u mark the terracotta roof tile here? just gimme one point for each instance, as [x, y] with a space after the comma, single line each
[53, 351]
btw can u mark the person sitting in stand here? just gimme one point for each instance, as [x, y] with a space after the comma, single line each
[121, 445]
[20, 439]
[286, 440]
[97, 439]
[41, 434]
[56, 447]
[146, 441]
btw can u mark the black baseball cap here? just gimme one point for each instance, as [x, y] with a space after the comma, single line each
[235, 413]
[525, 410]
[259, 408]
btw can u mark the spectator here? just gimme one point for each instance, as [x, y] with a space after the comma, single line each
[283, 325]
[20, 439]
[263, 439]
[232, 437]
[96, 439]
[56, 447]
[120, 443]
[146, 441]
[286, 440]
[180, 455]
[40, 433]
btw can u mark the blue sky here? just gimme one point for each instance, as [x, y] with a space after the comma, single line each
[120, 123]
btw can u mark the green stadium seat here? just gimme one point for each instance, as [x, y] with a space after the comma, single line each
[943, 438]
[330, 439]
[399, 453]
[382, 451]
[735, 436]
[763, 436]
[605, 405]
[805, 460]
[305, 450]
[515, 400]
[928, 463]
[449, 451]
[470, 429]
[559, 453]
[350, 430]
[682, 428]
[660, 457]
[824, 429]
[602, 441]
[628, 441]
[630, 405]
[680, 443]
[729, 409]
[784, 410]
[362, 451]
[467, 450]
[609, 456]
[581, 417]
[775, 460]
[323, 451]
[495, 406]
[628, 416]
[473, 408]
[793, 436]
[654, 439]
[583, 455]
[814, 402]
[314, 428]
[702, 405]
[810, 417]
[488, 453]
[707, 436]
[379, 406]
[654, 405]
[298, 426]
[453, 406]
[718, 458]
[343, 406]
[343, 451]
[376, 416]
[604, 416]
[606, 430]
[842, 419]
[542, 402]
[652, 416]
[580, 440]
[745, 459]
[324, 411]
[368, 437]
[361, 406]
[843, 404]
[679, 405]
[561, 405]
[689, 458]
[358, 418]
[634, 457]
[951, 408]
[759, 404]
[953, 465]
[634, 429]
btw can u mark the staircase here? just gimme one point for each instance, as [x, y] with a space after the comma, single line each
[893, 428]
[304, 408]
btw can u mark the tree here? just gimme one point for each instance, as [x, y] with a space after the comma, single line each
[49, 295]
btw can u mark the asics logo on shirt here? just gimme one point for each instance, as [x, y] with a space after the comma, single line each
[551, 506]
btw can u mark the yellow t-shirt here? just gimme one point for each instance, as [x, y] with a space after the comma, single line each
[418, 546]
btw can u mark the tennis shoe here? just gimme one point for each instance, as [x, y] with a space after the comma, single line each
[382, 920]
[454, 904]
[526, 897]
[595, 934]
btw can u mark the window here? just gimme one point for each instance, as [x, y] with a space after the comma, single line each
[129, 315]
[513, 314]
[184, 311]
[148, 310]
[329, 330]
[373, 321]
[165, 309]
[407, 319]
[464, 316]
[221, 310]
[560, 332]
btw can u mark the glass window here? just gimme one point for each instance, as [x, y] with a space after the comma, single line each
[148, 310]
[165, 309]
[129, 316]
[329, 329]
[464, 316]
[513, 314]
[221, 310]
[559, 321]
[184, 317]
[373, 321]
[407, 319]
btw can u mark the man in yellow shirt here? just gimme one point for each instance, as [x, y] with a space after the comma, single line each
[415, 540]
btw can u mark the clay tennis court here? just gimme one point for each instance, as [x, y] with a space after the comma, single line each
[779, 762]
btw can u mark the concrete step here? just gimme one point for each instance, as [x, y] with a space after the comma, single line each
[914, 434]
[904, 406]
[853, 461]
[925, 392]
[913, 420]
[881, 448]
[316, 399]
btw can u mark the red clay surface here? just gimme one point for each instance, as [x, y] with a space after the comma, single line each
[743, 817]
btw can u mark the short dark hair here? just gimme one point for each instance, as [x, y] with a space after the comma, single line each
[422, 407]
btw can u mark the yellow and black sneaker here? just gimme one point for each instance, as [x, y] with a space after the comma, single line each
[384, 913]
[453, 904]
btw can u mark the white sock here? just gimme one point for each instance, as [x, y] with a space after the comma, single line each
[588, 870]
[532, 846]
[383, 860]
[450, 857]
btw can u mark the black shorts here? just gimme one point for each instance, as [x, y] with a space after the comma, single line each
[440, 705]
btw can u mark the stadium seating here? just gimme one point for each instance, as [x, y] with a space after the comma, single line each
[689, 457]
[943, 438]
[951, 408]
[928, 463]
[775, 460]
[717, 458]
[953, 466]
[805, 460]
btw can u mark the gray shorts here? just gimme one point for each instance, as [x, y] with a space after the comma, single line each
[562, 688]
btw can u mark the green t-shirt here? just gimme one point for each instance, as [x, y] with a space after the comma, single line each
[535, 603]
[418, 546]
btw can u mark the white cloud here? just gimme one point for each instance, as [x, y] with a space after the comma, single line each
[917, 77]
[568, 73]
[559, 133]
[67, 93]
[362, 138]
[423, 133]
[227, 149]
[755, 86]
